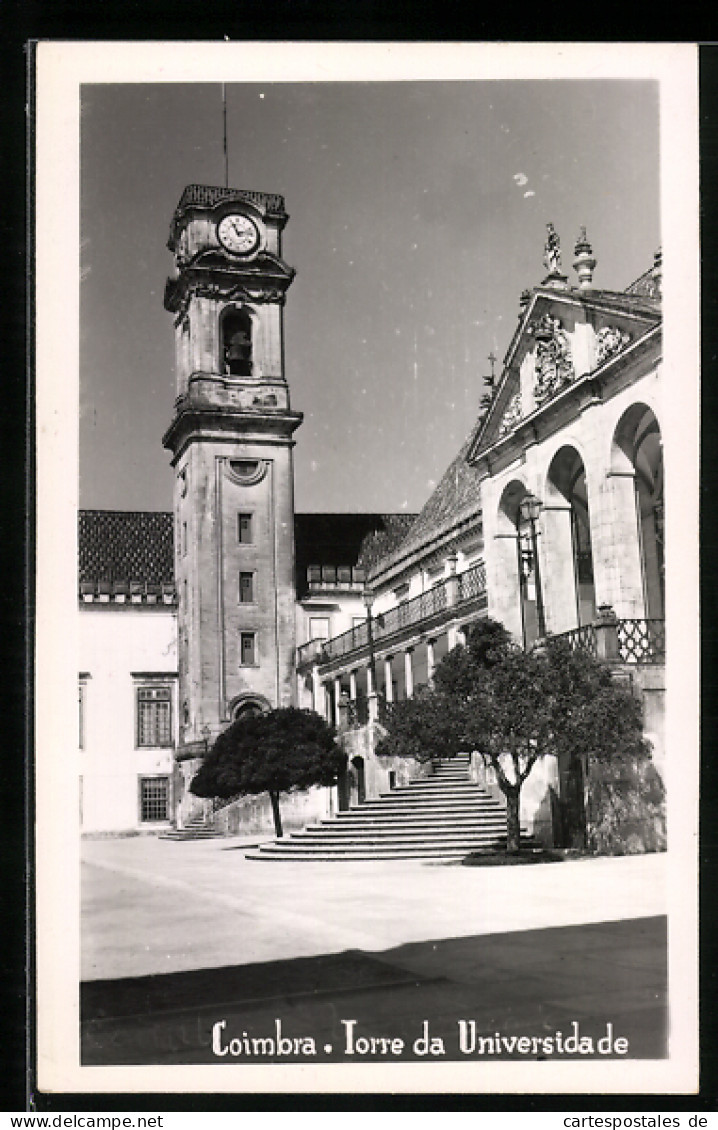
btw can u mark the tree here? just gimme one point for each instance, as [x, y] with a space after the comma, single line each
[282, 751]
[516, 707]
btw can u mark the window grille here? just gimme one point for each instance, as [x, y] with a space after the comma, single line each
[154, 716]
[154, 799]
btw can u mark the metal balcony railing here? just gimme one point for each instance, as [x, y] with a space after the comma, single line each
[470, 586]
[637, 641]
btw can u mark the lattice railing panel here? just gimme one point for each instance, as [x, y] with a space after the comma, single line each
[642, 641]
[472, 583]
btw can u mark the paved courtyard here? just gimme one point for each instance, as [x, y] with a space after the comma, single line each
[178, 936]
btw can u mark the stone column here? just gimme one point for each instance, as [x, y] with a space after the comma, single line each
[430, 661]
[317, 702]
[353, 686]
[388, 683]
[558, 576]
[408, 672]
[616, 548]
[453, 635]
[503, 584]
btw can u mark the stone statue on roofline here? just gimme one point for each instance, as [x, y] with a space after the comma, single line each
[552, 251]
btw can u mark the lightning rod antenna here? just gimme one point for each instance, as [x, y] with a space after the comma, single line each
[224, 120]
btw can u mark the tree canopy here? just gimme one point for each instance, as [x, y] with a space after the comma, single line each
[516, 707]
[277, 752]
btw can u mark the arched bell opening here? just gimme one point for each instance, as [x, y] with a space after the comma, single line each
[236, 343]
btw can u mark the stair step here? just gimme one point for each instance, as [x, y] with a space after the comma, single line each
[444, 816]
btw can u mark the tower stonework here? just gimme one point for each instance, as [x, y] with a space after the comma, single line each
[231, 444]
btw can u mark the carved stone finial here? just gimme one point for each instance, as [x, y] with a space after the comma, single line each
[584, 263]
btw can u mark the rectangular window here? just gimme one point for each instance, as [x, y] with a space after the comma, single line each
[154, 716]
[248, 649]
[246, 588]
[244, 529]
[319, 628]
[154, 798]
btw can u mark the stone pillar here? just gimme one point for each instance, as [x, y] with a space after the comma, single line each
[342, 712]
[317, 701]
[388, 683]
[617, 550]
[327, 710]
[606, 634]
[353, 686]
[337, 694]
[408, 672]
[558, 575]
[430, 661]
[454, 635]
[503, 584]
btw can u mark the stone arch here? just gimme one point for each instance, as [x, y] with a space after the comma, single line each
[245, 705]
[569, 576]
[637, 457]
[513, 596]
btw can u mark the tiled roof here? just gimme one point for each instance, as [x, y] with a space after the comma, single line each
[120, 545]
[455, 498]
[137, 546]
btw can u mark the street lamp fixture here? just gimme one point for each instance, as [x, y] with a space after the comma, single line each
[530, 509]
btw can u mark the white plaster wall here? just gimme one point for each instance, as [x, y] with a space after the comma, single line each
[114, 642]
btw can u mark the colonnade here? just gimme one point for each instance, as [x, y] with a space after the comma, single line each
[394, 674]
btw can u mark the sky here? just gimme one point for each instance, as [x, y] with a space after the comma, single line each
[418, 214]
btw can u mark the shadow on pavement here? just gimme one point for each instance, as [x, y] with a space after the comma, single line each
[602, 983]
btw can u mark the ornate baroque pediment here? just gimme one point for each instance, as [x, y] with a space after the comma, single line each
[553, 364]
[609, 341]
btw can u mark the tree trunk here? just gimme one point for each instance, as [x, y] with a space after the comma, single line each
[513, 825]
[274, 797]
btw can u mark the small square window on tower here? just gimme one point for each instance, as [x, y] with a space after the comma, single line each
[246, 588]
[248, 649]
[244, 529]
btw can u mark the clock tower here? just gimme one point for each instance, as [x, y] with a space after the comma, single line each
[231, 444]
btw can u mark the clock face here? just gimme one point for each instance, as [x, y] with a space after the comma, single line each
[237, 233]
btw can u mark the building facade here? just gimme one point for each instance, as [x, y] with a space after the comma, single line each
[346, 613]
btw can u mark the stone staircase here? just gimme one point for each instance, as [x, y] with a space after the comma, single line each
[444, 816]
[198, 828]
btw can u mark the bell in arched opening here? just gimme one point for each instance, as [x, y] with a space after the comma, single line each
[237, 344]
